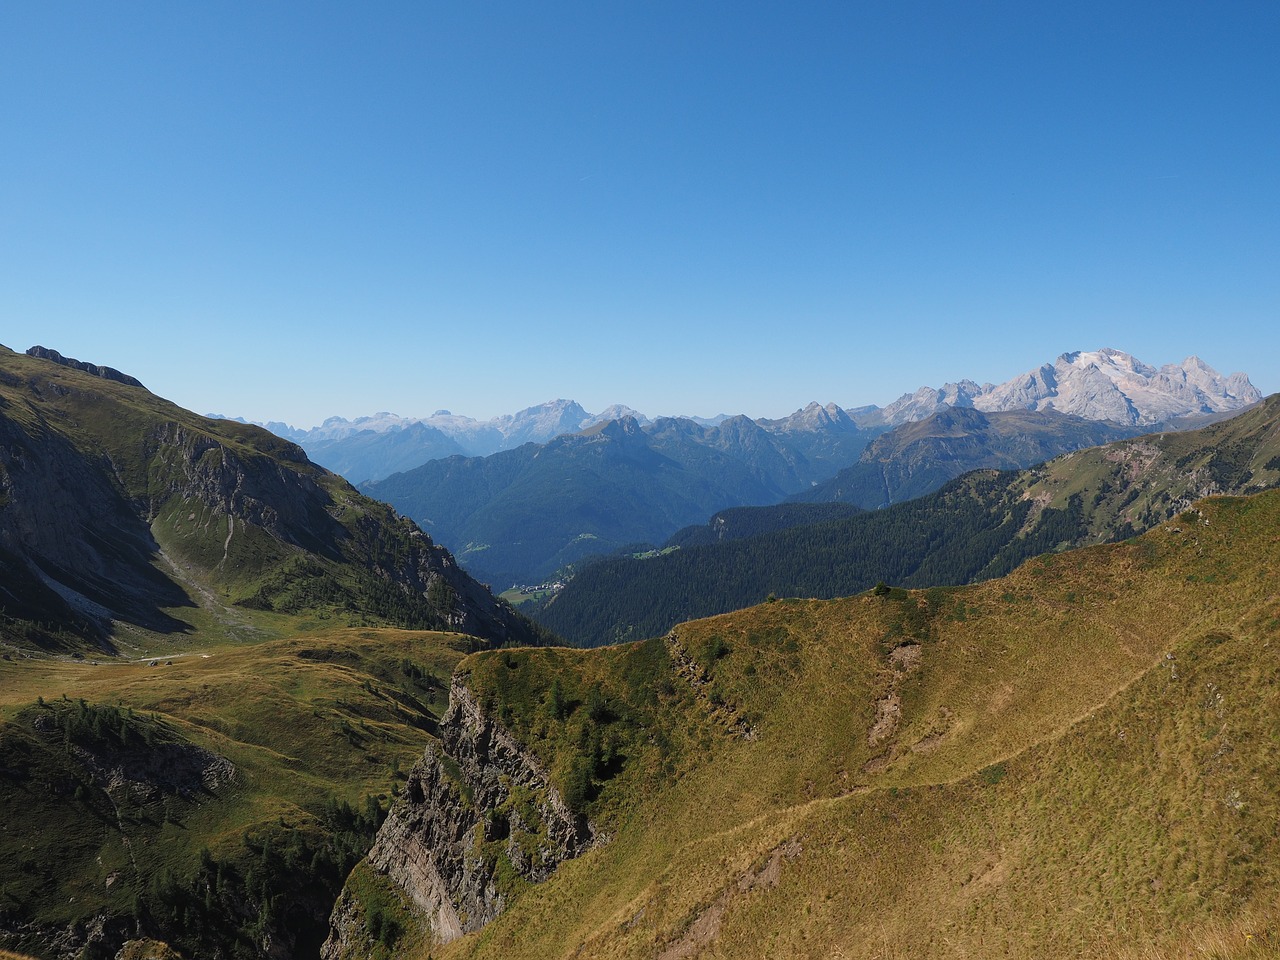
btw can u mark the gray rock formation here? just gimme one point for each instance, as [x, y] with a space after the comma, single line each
[1101, 384]
[478, 797]
[927, 401]
[106, 373]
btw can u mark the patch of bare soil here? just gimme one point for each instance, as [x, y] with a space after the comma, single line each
[706, 926]
[888, 713]
[903, 660]
[906, 657]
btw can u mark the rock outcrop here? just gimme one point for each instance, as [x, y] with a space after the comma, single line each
[106, 373]
[476, 810]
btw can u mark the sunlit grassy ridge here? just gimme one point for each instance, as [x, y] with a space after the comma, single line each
[1077, 760]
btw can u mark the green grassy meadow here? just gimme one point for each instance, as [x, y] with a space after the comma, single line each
[320, 729]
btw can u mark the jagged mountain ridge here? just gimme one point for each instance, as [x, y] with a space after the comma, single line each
[119, 507]
[373, 448]
[1103, 384]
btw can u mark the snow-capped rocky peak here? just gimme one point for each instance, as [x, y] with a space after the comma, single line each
[615, 412]
[1112, 385]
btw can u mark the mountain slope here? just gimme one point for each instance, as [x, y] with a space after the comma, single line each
[738, 523]
[980, 525]
[214, 802]
[120, 510]
[520, 515]
[1076, 760]
[919, 457]
[202, 716]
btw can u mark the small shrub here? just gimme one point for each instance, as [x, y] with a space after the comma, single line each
[993, 774]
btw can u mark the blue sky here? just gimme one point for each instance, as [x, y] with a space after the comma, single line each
[288, 211]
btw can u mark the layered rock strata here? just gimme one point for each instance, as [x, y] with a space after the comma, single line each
[473, 801]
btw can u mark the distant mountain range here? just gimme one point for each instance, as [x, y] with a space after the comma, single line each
[626, 485]
[979, 526]
[1096, 385]
[519, 515]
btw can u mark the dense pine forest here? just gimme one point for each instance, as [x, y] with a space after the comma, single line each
[965, 532]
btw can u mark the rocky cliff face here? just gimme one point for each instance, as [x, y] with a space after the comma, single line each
[106, 373]
[476, 811]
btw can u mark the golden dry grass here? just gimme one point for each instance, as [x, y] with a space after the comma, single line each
[1083, 764]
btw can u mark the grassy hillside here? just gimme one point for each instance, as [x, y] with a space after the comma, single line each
[204, 706]
[215, 800]
[1077, 760]
[121, 512]
[981, 525]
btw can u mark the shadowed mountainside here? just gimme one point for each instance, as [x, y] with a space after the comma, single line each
[119, 509]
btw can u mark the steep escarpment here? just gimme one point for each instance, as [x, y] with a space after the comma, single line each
[73, 549]
[118, 507]
[478, 821]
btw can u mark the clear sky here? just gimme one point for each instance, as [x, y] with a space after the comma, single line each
[293, 210]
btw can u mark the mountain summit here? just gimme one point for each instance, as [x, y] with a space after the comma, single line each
[1101, 384]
